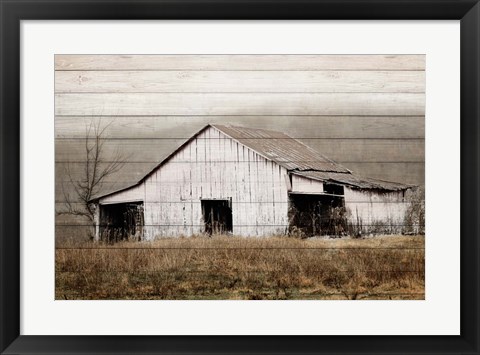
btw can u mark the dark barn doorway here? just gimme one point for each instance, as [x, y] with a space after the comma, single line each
[121, 221]
[217, 216]
[311, 215]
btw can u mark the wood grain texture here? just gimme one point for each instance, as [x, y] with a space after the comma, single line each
[239, 81]
[240, 104]
[206, 169]
[183, 127]
[408, 172]
[365, 111]
[340, 150]
[239, 62]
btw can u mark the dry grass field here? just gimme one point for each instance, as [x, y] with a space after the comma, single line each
[221, 267]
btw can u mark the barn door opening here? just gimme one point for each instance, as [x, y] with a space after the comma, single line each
[217, 216]
[311, 215]
[121, 221]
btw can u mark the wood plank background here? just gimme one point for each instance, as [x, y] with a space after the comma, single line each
[240, 62]
[240, 82]
[224, 104]
[364, 111]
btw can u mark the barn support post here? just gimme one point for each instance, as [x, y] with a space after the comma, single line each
[96, 221]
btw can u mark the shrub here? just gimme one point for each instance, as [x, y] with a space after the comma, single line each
[414, 222]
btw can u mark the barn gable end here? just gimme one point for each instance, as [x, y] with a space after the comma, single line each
[211, 166]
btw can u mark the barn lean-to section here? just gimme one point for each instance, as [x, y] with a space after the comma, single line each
[250, 182]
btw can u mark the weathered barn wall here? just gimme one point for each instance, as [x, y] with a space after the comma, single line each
[133, 194]
[374, 211]
[365, 111]
[304, 185]
[211, 166]
[214, 166]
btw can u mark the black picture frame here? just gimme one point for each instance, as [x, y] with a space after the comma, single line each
[14, 11]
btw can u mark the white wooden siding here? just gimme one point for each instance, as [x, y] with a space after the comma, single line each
[304, 185]
[370, 208]
[213, 166]
[133, 194]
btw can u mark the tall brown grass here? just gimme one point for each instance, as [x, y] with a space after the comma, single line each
[224, 267]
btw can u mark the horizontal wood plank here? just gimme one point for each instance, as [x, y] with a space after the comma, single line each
[408, 173]
[129, 173]
[340, 150]
[240, 62]
[158, 127]
[404, 172]
[235, 81]
[364, 111]
[240, 104]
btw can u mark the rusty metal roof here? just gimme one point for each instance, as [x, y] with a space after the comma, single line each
[282, 149]
[302, 160]
[353, 180]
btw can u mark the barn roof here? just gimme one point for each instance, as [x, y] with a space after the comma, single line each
[353, 180]
[290, 153]
[282, 149]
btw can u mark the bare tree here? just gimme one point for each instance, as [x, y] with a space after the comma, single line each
[96, 168]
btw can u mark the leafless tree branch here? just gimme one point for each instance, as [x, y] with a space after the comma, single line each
[96, 169]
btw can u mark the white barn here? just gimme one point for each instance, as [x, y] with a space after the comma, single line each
[247, 182]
